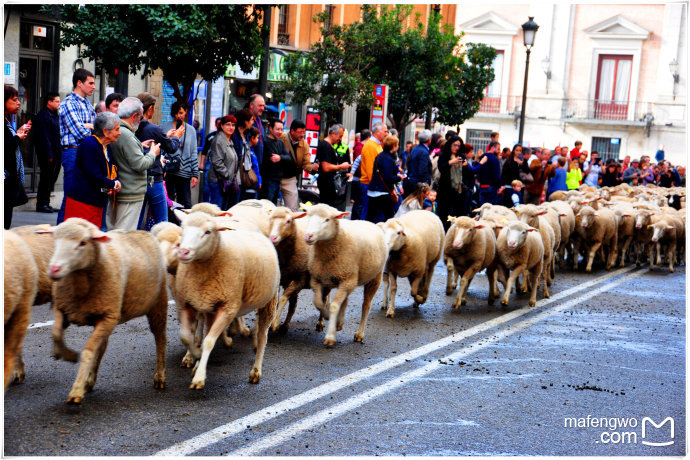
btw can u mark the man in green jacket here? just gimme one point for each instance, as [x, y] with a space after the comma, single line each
[132, 162]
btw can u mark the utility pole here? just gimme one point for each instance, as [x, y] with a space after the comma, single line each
[263, 69]
[430, 111]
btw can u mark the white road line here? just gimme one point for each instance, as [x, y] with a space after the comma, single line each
[262, 415]
[37, 325]
[354, 402]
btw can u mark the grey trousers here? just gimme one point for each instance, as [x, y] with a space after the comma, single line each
[124, 216]
[288, 187]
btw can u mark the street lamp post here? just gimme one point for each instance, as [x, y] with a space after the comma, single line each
[529, 30]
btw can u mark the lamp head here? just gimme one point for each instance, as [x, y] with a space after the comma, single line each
[529, 30]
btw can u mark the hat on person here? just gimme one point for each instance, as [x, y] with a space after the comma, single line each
[635, 161]
[147, 99]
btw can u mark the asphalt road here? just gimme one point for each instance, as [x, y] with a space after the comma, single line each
[608, 347]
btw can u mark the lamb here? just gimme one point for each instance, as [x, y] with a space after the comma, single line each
[226, 273]
[415, 243]
[598, 230]
[534, 216]
[343, 254]
[642, 237]
[488, 210]
[520, 249]
[102, 280]
[566, 219]
[287, 235]
[21, 285]
[41, 247]
[470, 248]
[625, 221]
[667, 233]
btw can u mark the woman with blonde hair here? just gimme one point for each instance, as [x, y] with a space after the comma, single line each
[414, 200]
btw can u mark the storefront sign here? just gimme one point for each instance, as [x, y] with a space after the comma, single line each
[276, 71]
[40, 31]
[378, 109]
[312, 132]
[10, 74]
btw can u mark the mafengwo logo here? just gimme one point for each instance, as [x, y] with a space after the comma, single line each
[657, 435]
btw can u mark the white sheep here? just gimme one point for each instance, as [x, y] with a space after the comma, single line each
[536, 216]
[21, 285]
[227, 273]
[255, 211]
[287, 235]
[102, 280]
[344, 254]
[520, 249]
[470, 247]
[415, 244]
[599, 231]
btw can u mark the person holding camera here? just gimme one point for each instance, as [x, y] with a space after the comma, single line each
[182, 168]
[592, 170]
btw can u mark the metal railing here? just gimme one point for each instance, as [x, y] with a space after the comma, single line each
[283, 39]
[598, 109]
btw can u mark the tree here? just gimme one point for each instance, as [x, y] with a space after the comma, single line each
[180, 39]
[423, 68]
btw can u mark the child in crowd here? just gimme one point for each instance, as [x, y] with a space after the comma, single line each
[573, 178]
[559, 179]
[430, 201]
[513, 197]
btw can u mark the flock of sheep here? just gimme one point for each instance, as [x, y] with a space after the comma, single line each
[220, 265]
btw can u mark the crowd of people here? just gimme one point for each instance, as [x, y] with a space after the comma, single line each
[122, 171]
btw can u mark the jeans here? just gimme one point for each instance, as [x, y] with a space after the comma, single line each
[356, 196]
[206, 192]
[157, 205]
[69, 160]
[488, 195]
[365, 201]
[214, 195]
[270, 190]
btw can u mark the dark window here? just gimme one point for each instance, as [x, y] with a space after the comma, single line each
[31, 36]
[283, 19]
[479, 139]
[608, 147]
[329, 18]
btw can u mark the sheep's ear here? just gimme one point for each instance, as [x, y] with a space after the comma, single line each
[541, 213]
[44, 229]
[563, 214]
[499, 226]
[187, 211]
[452, 219]
[477, 210]
[627, 215]
[298, 215]
[668, 227]
[101, 237]
[181, 215]
[600, 198]
[532, 229]
[341, 215]
[479, 226]
[224, 214]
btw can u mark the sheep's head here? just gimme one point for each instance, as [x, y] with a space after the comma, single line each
[394, 234]
[659, 230]
[168, 236]
[323, 223]
[529, 214]
[282, 224]
[643, 217]
[75, 246]
[209, 208]
[465, 229]
[515, 234]
[200, 237]
[482, 210]
[586, 216]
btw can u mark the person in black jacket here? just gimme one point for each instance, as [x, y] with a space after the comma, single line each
[155, 201]
[383, 179]
[277, 162]
[14, 168]
[46, 140]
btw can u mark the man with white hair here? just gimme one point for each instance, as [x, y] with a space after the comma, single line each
[329, 164]
[257, 105]
[132, 158]
[372, 147]
[419, 164]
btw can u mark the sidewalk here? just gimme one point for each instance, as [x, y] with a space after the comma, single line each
[32, 218]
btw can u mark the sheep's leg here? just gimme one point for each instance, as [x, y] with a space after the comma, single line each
[545, 276]
[157, 323]
[341, 315]
[187, 318]
[450, 278]
[509, 284]
[415, 281]
[534, 278]
[369, 292]
[90, 358]
[224, 316]
[60, 350]
[576, 252]
[18, 374]
[93, 375]
[15, 330]
[671, 254]
[239, 327]
[264, 318]
[592, 251]
[465, 280]
[290, 291]
[385, 303]
[291, 312]
[491, 273]
[390, 313]
[427, 282]
[613, 251]
[343, 292]
[624, 252]
[658, 253]
[322, 296]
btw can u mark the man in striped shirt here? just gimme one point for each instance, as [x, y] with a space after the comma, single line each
[76, 122]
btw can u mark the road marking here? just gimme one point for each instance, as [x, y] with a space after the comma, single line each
[322, 417]
[37, 325]
[262, 415]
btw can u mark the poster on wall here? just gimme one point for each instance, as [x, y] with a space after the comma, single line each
[312, 133]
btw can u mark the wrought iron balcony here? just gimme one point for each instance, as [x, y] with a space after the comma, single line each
[283, 39]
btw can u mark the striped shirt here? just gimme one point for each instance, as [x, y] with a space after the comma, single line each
[74, 111]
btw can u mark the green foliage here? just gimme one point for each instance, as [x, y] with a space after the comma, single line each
[423, 68]
[182, 40]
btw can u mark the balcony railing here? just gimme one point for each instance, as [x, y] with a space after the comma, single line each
[596, 109]
[490, 105]
[283, 39]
